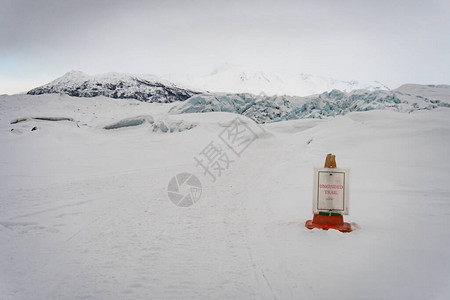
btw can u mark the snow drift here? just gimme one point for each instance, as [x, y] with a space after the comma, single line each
[164, 125]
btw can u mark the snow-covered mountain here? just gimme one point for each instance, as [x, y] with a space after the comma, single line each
[258, 106]
[266, 109]
[236, 79]
[227, 78]
[145, 88]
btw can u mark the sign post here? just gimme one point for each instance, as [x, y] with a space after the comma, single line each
[330, 197]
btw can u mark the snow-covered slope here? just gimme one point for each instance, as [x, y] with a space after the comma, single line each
[85, 213]
[115, 85]
[439, 93]
[265, 109]
[236, 79]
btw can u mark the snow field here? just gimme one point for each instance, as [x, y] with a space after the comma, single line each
[84, 211]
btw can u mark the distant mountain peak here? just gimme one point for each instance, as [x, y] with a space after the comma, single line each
[146, 88]
[231, 78]
[223, 68]
[74, 73]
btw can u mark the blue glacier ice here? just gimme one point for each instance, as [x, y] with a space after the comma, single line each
[266, 109]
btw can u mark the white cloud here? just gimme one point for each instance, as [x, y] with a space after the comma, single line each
[390, 41]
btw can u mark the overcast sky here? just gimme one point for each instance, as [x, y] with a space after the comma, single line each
[391, 41]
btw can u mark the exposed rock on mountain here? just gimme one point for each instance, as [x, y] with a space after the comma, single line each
[145, 88]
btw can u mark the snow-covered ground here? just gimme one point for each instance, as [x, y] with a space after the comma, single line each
[85, 213]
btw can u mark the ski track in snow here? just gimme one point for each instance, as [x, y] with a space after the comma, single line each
[87, 216]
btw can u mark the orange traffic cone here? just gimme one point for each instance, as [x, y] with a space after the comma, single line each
[329, 220]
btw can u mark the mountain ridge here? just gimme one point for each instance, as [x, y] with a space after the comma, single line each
[261, 107]
[230, 78]
[146, 88]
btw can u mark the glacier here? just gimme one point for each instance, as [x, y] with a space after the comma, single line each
[261, 108]
[162, 125]
[267, 109]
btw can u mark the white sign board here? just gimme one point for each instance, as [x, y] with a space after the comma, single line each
[331, 191]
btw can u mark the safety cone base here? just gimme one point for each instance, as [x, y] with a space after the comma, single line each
[328, 222]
